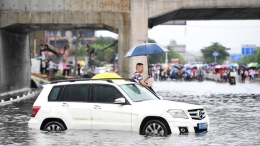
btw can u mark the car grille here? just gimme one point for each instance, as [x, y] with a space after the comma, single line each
[197, 114]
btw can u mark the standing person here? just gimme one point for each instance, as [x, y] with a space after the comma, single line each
[221, 72]
[78, 69]
[51, 67]
[252, 74]
[43, 66]
[243, 77]
[64, 67]
[139, 78]
[47, 67]
[257, 74]
[238, 72]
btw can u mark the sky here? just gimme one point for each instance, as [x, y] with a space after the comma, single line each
[197, 35]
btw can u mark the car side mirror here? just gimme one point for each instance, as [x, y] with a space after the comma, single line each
[160, 97]
[120, 101]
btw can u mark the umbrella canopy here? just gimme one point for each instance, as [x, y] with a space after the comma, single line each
[258, 66]
[106, 75]
[252, 65]
[194, 66]
[146, 49]
[151, 65]
[187, 65]
[218, 66]
[81, 62]
[204, 65]
[231, 65]
[225, 66]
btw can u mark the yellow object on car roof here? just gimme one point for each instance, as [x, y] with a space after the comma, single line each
[106, 75]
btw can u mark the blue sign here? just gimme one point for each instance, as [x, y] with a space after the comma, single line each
[215, 53]
[236, 56]
[248, 49]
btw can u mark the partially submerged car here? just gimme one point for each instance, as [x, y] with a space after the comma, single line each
[111, 104]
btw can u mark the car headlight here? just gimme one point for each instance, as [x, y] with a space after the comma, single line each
[178, 114]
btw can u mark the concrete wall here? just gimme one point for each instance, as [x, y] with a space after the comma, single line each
[161, 7]
[139, 32]
[14, 61]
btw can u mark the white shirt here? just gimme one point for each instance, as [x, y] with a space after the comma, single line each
[51, 64]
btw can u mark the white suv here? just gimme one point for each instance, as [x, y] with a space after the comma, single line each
[113, 105]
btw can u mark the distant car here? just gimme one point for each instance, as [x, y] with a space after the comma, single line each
[113, 105]
[99, 70]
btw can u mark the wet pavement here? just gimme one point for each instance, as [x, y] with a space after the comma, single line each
[233, 111]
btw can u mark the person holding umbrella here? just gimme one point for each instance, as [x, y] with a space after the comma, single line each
[137, 76]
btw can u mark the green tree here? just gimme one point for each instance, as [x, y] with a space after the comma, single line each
[104, 55]
[81, 52]
[222, 53]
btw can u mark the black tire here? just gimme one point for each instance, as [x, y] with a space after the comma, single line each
[154, 128]
[54, 126]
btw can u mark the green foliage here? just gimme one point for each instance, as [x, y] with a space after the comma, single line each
[108, 54]
[81, 52]
[207, 53]
[251, 58]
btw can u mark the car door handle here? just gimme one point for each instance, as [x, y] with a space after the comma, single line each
[65, 105]
[97, 107]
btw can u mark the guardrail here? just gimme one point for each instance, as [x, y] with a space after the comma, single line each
[211, 76]
[18, 98]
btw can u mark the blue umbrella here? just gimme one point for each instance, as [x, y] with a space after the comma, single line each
[146, 49]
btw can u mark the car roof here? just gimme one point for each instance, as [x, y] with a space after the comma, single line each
[117, 81]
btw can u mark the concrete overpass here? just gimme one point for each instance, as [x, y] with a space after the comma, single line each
[129, 18]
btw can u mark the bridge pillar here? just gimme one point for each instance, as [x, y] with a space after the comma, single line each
[15, 72]
[139, 32]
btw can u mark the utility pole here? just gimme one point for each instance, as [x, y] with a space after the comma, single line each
[166, 58]
[76, 53]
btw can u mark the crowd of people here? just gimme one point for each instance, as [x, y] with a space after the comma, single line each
[180, 72]
[50, 67]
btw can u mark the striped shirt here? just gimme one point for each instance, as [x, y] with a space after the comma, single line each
[137, 77]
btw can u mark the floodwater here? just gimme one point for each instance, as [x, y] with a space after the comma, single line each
[233, 111]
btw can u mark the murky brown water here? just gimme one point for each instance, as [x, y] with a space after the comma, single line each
[233, 111]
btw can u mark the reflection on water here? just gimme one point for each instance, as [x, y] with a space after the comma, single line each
[234, 120]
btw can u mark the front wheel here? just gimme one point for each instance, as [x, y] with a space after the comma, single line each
[155, 128]
[54, 126]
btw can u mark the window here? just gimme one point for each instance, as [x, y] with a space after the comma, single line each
[79, 93]
[138, 92]
[63, 33]
[74, 33]
[90, 33]
[65, 96]
[75, 93]
[52, 43]
[83, 42]
[55, 93]
[105, 94]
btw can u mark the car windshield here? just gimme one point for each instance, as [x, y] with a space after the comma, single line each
[138, 93]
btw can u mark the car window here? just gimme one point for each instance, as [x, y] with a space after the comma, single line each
[53, 96]
[138, 93]
[79, 93]
[105, 94]
[75, 93]
[65, 96]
